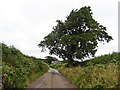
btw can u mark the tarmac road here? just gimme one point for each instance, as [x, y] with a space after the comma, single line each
[52, 79]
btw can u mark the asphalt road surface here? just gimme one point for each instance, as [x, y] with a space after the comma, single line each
[52, 79]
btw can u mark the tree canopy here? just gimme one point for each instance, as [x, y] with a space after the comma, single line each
[77, 37]
[49, 59]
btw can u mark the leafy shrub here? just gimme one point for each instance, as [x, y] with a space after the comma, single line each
[114, 58]
[18, 68]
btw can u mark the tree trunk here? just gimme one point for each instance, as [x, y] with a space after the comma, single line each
[70, 61]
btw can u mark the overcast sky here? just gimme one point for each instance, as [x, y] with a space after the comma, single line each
[24, 23]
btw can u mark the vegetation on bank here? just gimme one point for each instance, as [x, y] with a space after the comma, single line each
[99, 72]
[19, 70]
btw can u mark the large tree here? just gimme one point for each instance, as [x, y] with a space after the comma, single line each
[77, 37]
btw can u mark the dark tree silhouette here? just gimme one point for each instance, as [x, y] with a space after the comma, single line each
[76, 37]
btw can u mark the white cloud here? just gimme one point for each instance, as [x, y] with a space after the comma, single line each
[24, 23]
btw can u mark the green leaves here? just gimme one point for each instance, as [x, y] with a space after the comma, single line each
[17, 67]
[76, 37]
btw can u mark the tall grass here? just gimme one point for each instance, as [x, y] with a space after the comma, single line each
[95, 73]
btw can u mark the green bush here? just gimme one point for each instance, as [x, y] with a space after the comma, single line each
[18, 68]
[114, 58]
